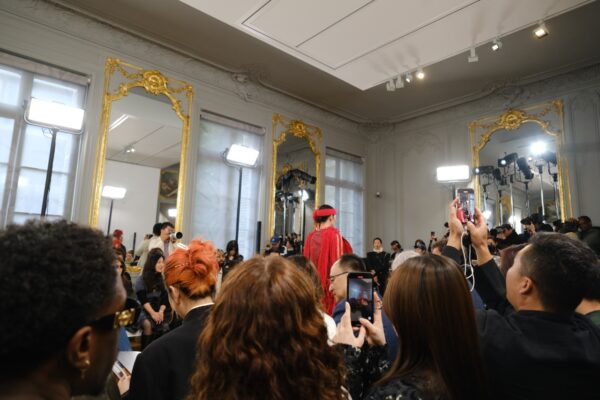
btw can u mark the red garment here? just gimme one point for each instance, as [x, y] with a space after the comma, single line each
[323, 247]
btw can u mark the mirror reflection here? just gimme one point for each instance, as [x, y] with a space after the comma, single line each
[519, 173]
[295, 188]
[519, 176]
[141, 158]
[294, 191]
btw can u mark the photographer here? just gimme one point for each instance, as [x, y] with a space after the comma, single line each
[166, 239]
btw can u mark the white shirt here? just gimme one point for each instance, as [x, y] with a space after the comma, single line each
[157, 243]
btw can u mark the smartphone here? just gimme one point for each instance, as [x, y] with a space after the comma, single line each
[360, 296]
[119, 369]
[466, 205]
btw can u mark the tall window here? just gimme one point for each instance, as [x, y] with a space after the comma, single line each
[24, 148]
[216, 186]
[344, 191]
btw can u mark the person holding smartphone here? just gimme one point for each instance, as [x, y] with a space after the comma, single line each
[439, 355]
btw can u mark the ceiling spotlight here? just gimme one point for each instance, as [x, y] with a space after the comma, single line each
[473, 56]
[420, 74]
[129, 149]
[399, 82]
[541, 31]
[408, 78]
[496, 45]
[390, 86]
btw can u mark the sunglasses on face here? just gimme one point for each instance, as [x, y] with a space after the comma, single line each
[121, 319]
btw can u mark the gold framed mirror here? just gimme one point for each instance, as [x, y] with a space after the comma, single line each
[142, 146]
[295, 177]
[519, 168]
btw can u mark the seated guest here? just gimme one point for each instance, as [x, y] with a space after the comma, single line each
[305, 265]
[534, 345]
[589, 234]
[338, 286]
[163, 370]
[265, 339]
[232, 258]
[152, 295]
[420, 247]
[590, 305]
[62, 305]
[439, 356]
[438, 246]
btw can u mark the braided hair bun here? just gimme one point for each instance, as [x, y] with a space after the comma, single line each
[193, 269]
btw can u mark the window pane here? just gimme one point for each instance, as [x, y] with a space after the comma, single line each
[54, 90]
[36, 149]
[30, 192]
[6, 136]
[330, 167]
[10, 85]
[216, 193]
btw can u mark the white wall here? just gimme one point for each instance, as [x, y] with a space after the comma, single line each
[402, 159]
[136, 213]
[51, 34]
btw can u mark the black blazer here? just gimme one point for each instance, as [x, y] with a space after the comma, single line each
[533, 354]
[163, 370]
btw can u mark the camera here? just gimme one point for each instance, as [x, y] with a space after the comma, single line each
[533, 219]
[176, 235]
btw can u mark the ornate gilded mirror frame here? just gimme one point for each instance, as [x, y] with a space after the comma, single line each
[283, 128]
[481, 131]
[129, 76]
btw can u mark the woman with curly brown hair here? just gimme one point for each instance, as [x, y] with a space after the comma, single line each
[265, 339]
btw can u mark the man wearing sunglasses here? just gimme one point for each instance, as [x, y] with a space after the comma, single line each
[62, 303]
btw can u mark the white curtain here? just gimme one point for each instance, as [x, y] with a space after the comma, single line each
[216, 188]
[24, 149]
[344, 190]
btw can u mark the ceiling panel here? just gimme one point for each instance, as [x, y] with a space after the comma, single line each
[293, 22]
[385, 37]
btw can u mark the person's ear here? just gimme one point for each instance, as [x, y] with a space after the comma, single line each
[526, 286]
[175, 294]
[78, 349]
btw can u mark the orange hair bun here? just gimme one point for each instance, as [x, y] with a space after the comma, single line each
[193, 269]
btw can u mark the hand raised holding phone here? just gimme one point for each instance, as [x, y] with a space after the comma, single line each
[371, 331]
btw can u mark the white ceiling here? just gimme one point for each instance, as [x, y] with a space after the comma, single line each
[366, 42]
[148, 125]
[441, 45]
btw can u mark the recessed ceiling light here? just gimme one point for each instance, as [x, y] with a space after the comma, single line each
[473, 56]
[541, 31]
[399, 82]
[420, 74]
[390, 86]
[496, 45]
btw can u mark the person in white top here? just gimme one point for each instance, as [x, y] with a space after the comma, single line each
[164, 241]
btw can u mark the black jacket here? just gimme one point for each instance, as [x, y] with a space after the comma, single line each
[163, 370]
[533, 354]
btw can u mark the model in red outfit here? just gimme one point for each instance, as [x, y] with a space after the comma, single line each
[323, 246]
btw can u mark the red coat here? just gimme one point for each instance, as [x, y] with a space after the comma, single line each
[324, 247]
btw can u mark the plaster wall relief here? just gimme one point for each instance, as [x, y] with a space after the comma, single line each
[583, 150]
[172, 61]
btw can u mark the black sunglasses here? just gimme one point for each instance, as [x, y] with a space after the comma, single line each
[124, 318]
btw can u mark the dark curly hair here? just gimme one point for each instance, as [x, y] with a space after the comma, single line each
[56, 277]
[265, 338]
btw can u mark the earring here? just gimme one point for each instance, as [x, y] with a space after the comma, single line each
[83, 370]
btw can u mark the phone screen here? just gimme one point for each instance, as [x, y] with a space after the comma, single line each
[466, 206]
[360, 296]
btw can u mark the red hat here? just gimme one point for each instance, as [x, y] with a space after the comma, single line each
[118, 233]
